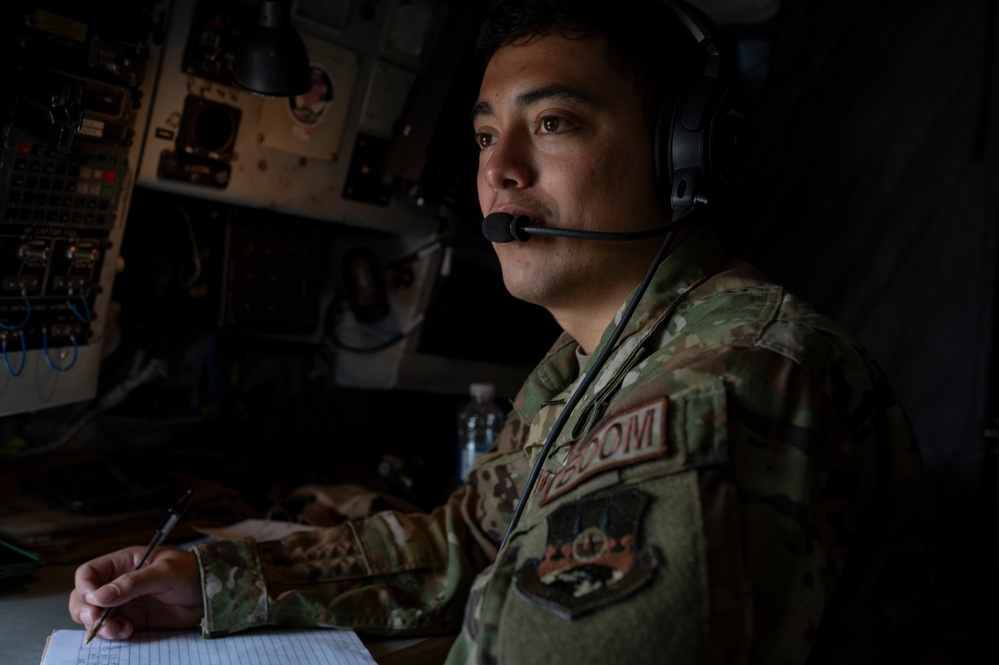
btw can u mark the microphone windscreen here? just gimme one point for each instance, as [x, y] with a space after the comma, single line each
[496, 227]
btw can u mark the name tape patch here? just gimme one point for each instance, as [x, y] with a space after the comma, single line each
[633, 436]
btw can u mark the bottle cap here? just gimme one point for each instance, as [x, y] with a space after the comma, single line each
[481, 390]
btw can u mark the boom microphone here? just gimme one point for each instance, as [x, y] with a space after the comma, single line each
[502, 227]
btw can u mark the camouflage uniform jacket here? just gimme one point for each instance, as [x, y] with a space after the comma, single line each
[738, 485]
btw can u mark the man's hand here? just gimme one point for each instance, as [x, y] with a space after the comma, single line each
[165, 594]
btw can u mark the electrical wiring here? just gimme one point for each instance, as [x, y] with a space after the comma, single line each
[331, 338]
[151, 370]
[27, 313]
[86, 319]
[48, 359]
[195, 251]
[6, 359]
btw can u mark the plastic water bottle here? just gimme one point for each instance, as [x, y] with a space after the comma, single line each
[479, 423]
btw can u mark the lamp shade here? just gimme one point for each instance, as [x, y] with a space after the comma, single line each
[271, 59]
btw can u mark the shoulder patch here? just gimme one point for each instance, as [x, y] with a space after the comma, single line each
[593, 556]
[632, 436]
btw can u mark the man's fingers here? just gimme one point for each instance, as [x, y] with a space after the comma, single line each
[98, 572]
[117, 627]
[146, 580]
[120, 590]
[106, 595]
[163, 593]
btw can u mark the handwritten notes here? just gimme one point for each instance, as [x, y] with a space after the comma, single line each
[265, 647]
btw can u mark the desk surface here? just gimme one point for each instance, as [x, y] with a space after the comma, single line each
[33, 606]
[30, 609]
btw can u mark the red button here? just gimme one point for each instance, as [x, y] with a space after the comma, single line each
[109, 176]
[24, 147]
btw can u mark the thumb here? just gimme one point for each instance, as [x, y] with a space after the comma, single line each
[126, 588]
[106, 595]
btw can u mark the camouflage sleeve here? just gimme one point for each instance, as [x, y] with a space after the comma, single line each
[391, 573]
[779, 502]
[232, 586]
[831, 498]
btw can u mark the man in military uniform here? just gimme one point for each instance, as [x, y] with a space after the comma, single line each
[735, 482]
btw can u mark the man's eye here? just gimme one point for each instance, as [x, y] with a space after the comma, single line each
[484, 140]
[551, 124]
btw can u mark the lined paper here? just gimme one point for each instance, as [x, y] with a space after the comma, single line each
[263, 647]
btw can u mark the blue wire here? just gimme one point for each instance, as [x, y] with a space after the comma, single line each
[6, 359]
[86, 308]
[45, 348]
[27, 314]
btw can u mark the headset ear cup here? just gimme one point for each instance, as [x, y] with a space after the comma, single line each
[662, 153]
[689, 126]
[702, 153]
[679, 154]
[699, 136]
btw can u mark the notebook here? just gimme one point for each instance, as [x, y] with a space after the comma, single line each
[259, 647]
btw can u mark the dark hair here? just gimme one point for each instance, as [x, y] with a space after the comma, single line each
[644, 39]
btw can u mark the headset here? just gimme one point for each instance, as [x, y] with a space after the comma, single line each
[697, 156]
[699, 138]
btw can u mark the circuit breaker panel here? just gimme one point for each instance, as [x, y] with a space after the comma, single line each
[70, 120]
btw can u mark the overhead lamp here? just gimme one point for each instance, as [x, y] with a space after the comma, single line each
[271, 59]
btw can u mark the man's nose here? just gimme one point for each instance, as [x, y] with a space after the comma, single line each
[509, 164]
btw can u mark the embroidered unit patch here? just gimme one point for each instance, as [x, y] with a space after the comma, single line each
[592, 557]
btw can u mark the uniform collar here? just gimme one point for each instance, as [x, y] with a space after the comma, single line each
[692, 262]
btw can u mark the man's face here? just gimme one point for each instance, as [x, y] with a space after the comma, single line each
[564, 140]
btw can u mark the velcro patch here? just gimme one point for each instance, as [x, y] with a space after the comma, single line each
[633, 436]
[593, 556]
